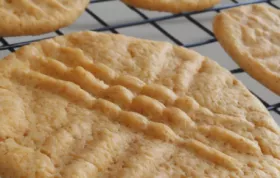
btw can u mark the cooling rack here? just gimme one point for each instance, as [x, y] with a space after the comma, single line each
[155, 22]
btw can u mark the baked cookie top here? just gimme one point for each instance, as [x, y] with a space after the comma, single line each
[174, 6]
[250, 34]
[33, 17]
[102, 105]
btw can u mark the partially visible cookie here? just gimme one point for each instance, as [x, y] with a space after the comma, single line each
[251, 35]
[26, 17]
[89, 105]
[174, 6]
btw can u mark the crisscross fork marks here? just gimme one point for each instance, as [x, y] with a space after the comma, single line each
[155, 126]
[117, 93]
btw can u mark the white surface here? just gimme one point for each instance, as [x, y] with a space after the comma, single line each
[115, 12]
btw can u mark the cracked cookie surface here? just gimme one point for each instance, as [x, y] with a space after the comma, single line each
[34, 17]
[102, 105]
[250, 34]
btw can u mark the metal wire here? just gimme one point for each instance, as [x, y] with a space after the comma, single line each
[154, 22]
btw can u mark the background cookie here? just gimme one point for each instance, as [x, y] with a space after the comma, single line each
[102, 105]
[250, 34]
[174, 6]
[24, 17]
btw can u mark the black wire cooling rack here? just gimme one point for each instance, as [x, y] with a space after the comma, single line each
[154, 22]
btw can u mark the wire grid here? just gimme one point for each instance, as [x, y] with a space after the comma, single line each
[154, 22]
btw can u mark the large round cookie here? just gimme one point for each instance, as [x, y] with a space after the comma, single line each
[250, 34]
[174, 6]
[101, 105]
[33, 17]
